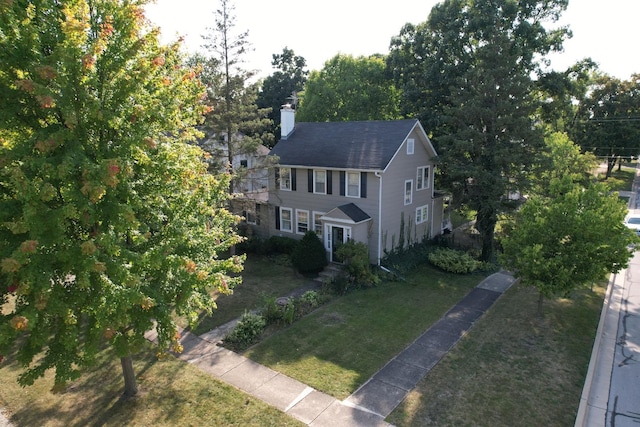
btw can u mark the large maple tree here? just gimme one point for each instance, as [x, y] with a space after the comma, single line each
[109, 221]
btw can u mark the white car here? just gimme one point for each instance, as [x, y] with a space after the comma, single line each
[633, 222]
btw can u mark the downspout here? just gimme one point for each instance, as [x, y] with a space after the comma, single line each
[379, 175]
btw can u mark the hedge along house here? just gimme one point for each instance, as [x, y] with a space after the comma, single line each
[370, 181]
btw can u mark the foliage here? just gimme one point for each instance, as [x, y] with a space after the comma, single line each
[356, 264]
[350, 89]
[608, 119]
[283, 85]
[309, 255]
[234, 119]
[453, 261]
[568, 235]
[468, 73]
[109, 221]
[281, 245]
[247, 331]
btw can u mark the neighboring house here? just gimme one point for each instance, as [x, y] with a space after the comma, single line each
[370, 181]
[250, 176]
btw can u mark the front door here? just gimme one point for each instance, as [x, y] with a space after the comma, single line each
[335, 237]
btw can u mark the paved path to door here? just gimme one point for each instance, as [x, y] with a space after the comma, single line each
[372, 402]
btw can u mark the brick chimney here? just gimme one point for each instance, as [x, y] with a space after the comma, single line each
[287, 121]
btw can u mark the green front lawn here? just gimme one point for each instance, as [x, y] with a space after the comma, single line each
[262, 277]
[340, 345]
[513, 368]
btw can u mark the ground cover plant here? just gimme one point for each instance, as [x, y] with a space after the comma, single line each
[514, 368]
[172, 393]
[341, 344]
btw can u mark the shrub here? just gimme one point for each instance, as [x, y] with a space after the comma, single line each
[270, 311]
[454, 261]
[309, 255]
[356, 259]
[280, 245]
[246, 331]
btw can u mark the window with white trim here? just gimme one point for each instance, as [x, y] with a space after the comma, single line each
[422, 214]
[320, 181]
[422, 178]
[408, 192]
[285, 179]
[286, 222]
[302, 221]
[352, 184]
[317, 223]
[410, 146]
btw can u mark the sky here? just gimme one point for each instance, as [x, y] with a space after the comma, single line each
[607, 31]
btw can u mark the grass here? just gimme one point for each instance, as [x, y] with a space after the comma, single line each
[262, 276]
[514, 368]
[622, 180]
[339, 346]
[172, 393]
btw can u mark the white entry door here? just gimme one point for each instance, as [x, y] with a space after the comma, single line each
[334, 236]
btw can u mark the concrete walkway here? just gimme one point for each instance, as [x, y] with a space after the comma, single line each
[372, 402]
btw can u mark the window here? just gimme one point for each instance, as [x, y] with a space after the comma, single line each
[410, 146]
[408, 192]
[285, 179]
[285, 219]
[302, 221]
[250, 217]
[353, 184]
[320, 182]
[422, 179]
[422, 214]
[244, 163]
[317, 223]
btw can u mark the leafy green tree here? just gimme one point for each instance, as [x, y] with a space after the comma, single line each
[610, 119]
[235, 119]
[109, 221]
[570, 234]
[561, 92]
[283, 85]
[475, 60]
[349, 89]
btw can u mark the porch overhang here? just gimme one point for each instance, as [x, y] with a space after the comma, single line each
[347, 214]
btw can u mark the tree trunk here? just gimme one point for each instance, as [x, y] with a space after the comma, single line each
[540, 300]
[486, 224]
[130, 383]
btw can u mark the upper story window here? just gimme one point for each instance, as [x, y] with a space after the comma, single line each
[285, 179]
[320, 181]
[410, 146]
[408, 192]
[352, 184]
[422, 178]
[244, 163]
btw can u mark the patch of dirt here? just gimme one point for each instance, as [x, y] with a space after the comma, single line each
[333, 319]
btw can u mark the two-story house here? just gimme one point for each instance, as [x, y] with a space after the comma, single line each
[370, 181]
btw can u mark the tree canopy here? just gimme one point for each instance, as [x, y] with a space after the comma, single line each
[471, 65]
[609, 119]
[350, 88]
[570, 234]
[283, 85]
[109, 221]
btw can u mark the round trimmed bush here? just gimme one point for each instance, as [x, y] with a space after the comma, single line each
[309, 255]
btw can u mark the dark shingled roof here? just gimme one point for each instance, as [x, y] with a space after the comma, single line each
[354, 212]
[368, 145]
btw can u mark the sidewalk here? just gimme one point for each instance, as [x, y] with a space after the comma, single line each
[375, 399]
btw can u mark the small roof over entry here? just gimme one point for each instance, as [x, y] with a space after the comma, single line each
[349, 213]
